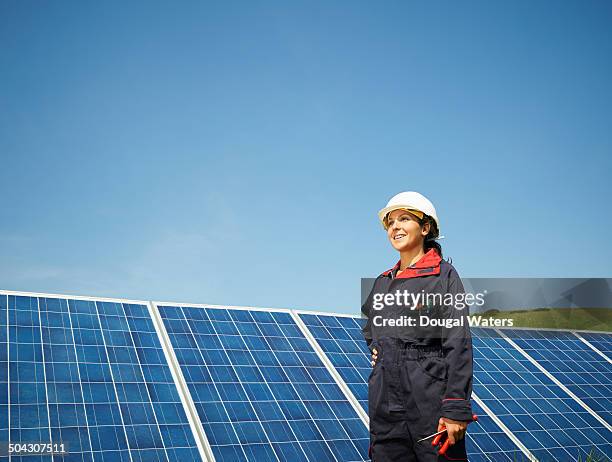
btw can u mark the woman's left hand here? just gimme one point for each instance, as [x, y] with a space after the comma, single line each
[455, 429]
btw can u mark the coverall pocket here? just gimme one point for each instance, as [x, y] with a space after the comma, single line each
[430, 386]
[434, 367]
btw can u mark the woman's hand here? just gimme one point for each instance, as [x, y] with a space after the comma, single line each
[455, 429]
[374, 356]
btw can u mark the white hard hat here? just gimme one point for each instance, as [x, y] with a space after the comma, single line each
[410, 200]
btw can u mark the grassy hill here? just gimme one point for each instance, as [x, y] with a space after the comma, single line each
[599, 319]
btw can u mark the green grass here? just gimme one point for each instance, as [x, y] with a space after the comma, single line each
[599, 319]
[592, 457]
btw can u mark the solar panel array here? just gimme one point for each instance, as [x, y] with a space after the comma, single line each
[116, 380]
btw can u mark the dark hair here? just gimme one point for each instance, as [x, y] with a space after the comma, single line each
[430, 240]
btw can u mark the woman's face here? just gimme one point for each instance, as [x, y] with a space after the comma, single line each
[404, 231]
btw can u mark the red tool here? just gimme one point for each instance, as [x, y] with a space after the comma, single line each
[438, 438]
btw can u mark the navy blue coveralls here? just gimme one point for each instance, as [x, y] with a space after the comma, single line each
[422, 372]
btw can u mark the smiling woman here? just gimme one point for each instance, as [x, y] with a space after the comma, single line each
[421, 379]
[404, 228]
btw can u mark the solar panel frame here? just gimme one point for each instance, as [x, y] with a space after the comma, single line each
[179, 380]
[102, 330]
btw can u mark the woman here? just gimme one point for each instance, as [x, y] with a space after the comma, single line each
[421, 379]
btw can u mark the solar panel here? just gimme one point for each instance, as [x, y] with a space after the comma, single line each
[584, 372]
[603, 342]
[92, 375]
[260, 390]
[341, 339]
[550, 423]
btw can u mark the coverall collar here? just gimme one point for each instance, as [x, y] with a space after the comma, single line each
[427, 265]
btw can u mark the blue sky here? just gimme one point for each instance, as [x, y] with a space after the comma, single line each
[237, 152]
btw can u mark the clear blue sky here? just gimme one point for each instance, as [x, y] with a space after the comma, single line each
[237, 152]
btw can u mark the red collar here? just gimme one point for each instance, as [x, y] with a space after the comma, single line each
[427, 265]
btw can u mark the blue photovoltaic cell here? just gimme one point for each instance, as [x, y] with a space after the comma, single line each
[92, 375]
[341, 339]
[260, 390]
[603, 342]
[551, 424]
[584, 372]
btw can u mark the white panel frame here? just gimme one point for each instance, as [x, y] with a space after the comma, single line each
[179, 380]
[72, 297]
